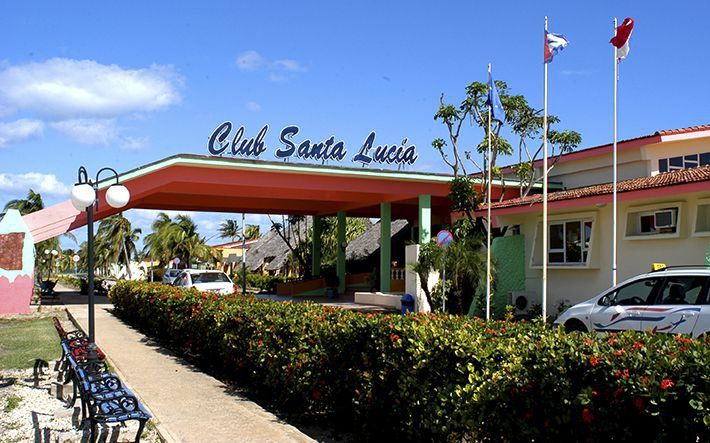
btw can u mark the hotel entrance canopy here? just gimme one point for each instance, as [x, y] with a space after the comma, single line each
[188, 182]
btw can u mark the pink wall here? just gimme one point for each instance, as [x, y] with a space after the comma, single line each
[16, 296]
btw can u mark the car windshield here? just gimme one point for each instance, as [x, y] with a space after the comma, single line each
[210, 277]
[173, 272]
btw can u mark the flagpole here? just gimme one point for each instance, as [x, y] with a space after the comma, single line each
[488, 205]
[544, 196]
[614, 209]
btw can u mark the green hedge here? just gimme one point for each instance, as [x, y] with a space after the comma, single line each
[434, 377]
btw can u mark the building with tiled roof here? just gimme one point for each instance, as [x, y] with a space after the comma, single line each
[663, 214]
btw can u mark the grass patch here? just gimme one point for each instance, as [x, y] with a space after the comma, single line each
[22, 342]
[13, 401]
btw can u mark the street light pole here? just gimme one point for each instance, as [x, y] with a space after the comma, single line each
[90, 259]
[85, 196]
[244, 257]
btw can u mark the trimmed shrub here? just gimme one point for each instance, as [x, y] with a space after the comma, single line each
[436, 377]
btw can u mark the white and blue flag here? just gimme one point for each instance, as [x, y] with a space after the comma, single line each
[554, 43]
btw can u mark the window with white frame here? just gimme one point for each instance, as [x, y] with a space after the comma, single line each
[569, 242]
[683, 162]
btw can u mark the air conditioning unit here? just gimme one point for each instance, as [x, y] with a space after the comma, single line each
[665, 218]
[523, 301]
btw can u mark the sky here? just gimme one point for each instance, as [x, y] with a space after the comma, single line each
[131, 82]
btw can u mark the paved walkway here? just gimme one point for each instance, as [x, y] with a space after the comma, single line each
[188, 405]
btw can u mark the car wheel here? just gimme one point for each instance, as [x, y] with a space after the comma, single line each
[575, 326]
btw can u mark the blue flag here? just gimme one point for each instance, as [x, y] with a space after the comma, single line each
[497, 111]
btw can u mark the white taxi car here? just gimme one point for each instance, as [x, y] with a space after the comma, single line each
[205, 280]
[672, 299]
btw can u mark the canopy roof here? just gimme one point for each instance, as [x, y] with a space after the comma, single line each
[187, 182]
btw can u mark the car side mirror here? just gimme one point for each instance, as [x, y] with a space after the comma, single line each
[606, 301]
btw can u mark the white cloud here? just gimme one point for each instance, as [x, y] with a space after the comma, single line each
[19, 131]
[133, 143]
[250, 61]
[279, 70]
[63, 88]
[253, 106]
[289, 65]
[88, 131]
[42, 183]
[275, 77]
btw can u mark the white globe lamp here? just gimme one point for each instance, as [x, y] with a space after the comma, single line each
[82, 196]
[117, 196]
[76, 258]
[55, 252]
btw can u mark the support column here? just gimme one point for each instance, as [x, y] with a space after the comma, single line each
[316, 244]
[385, 246]
[340, 265]
[424, 219]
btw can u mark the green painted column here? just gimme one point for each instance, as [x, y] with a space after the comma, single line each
[340, 265]
[385, 246]
[316, 243]
[424, 219]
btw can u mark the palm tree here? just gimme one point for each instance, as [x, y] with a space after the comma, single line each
[177, 238]
[252, 232]
[32, 203]
[230, 229]
[119, 239]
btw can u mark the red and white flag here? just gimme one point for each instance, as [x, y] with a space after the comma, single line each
[622, 37]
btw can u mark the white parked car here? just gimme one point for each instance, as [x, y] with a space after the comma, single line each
[203, 280]
[170, 275]
[674, 300]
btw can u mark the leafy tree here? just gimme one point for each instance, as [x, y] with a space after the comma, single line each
[524, 121]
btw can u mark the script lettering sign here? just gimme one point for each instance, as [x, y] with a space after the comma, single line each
[225, 141]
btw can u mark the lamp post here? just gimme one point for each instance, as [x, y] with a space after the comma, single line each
[84, 197]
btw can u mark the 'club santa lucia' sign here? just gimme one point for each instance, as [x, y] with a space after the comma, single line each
[239, 145]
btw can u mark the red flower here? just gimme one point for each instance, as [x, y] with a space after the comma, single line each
[617, 373]
[316, 395]
[588, 341]
[394, 338]
[666, 384]
[638, 344]
[639, 404]
[595, 393]
[594, 360]
[261, 342]
[587, 415]
[619, 353]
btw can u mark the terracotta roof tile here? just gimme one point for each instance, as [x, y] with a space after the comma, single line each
[684, 130]
[672, 178]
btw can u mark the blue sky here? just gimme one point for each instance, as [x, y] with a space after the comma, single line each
[140, 81]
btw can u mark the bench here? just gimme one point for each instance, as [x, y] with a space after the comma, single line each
[46, 287]
[104, 398]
